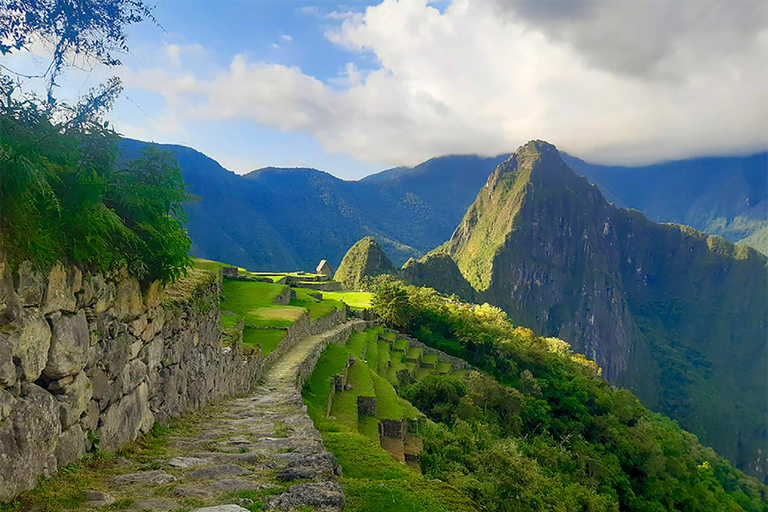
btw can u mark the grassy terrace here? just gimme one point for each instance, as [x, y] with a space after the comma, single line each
[373, 481]
[357, 300]
[253, 302]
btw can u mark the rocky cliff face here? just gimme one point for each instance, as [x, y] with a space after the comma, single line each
[675, 315]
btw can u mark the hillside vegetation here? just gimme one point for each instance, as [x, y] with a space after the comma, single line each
[64, 198]
[541, 430]
[673, 314]
[285, 219]
[726, 196]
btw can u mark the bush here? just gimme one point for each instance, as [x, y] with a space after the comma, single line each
[65, 197]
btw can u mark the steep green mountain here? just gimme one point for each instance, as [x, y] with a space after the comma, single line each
[675, 315]
[289, 219]
[438, 270]
[364, 259]
[725, 196]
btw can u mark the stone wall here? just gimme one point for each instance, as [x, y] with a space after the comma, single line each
[324, 286]
[92, 361]
[458, 364]
[302, 327]
[284, 298]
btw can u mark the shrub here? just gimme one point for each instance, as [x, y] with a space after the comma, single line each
[65, 197]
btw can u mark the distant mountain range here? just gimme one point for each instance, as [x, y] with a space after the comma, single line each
[726, 196]
[270, 219]
[291, 218]
[674, 314]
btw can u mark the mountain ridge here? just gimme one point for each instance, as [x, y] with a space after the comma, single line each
[654, 304]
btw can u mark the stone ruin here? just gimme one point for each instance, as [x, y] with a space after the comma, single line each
[324, 269]
[229, 271]
[366, 406]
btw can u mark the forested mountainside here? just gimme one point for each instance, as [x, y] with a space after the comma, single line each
[725, 196]
[671, 313]
[278, 219]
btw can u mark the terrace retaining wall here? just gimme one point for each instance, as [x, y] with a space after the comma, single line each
[92, 361]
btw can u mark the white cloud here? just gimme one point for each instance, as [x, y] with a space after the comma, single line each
[274, 46]
[483, 77]
[286, 37]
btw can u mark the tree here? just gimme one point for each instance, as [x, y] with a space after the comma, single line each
[77, 32]
[390, 302]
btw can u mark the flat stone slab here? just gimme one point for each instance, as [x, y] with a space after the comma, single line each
[97, 499]
[217, 472]
[186, 462]
[156, 477]
[157, 504]
[233, 484]
[222, 508]
[325, 495]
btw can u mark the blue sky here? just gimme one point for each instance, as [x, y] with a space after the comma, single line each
[353, 88]
[280, 31]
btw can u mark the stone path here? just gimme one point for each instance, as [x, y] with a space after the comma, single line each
[262, 447]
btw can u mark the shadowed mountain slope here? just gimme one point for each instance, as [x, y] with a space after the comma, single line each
[285, 219]
[725, 196]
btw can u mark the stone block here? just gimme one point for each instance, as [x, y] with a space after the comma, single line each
[69, 346]
[60, 292]
[7, 368]
[31, 289]
[73, 396]
[366, 406]
[128, 301]
[10, 305]
[124, 420]
[153, 295]
[31, 339]
[71, 445]
[392, 428]
[28, 438]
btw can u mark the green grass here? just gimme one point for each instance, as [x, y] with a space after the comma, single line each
[210, 265]
[369, 427]
[372, 354]
[414, 352]
[372, 480]
[359, 378]
[383, 358]
[403, 495]
[388, 404]
[269, 339]
[444, 367]
[357, 300]
[389, 335]
[253, 301]
[318, 387]
[344, 409]
[317, 308]
[429, 358]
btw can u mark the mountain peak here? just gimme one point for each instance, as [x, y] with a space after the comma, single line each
[364, 259]
[537, 161]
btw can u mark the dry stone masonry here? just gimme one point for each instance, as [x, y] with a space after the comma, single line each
[92, 361]
[264, 442]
